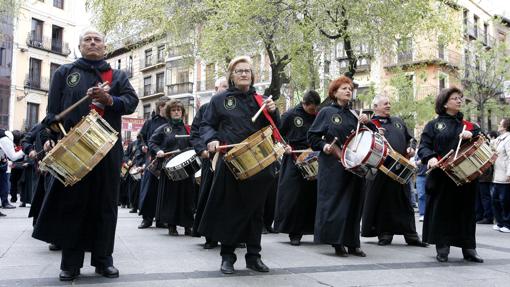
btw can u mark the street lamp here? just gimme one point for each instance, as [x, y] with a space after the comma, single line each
[26, 91]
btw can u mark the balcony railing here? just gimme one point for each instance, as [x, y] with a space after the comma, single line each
[36, 82]
[151, 62]
[471, 30]
[206, 85]
[48, 44]
[180, 88]
[429, 53]
[151, 91]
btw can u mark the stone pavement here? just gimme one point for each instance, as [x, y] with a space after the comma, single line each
[151, 258]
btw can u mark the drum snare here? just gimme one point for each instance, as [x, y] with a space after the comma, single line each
[363, 151]
[183, 165]
[397, 167]
[308, 164]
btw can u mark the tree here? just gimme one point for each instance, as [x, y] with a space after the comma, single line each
[483, 78]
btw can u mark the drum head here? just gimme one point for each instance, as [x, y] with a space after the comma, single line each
[180, 159]
[356, 148]
[198, 173]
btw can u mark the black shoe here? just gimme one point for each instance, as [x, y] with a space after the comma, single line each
[145, 224]
[172, 230]
[134, 210]
[108, 272]
[356, 252]
[14, 199]
[264, 230]
[295, 242]
[442, 258]
[210, 244]
[227, 267]
[23, 204]
[187, 231]
[68, 275]
[161, 224]
[241, 245]
[1, 214]
[54, 247]
[484, 221]
[8, 206]
[383, 242]
[418, 243]
[257, 265]
[340, 251]
[471, 255]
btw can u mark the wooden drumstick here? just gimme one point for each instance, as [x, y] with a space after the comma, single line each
[332, 143]
[182, 136]
[254, 118]
[300, 150]
[73, 106]
[171, 152]
[460, 141]
[443, 159]
[357, 130]
[229, 145]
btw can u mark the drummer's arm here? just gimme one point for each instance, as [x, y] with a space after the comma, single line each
[316, 131]
[210, 123]
[7, 146]
[124, 97]
[156, 140]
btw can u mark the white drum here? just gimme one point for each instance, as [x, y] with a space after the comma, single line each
[136, 172]
[198, 176]
[363, 151]
[183, 165]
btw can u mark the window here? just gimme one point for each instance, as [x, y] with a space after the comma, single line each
[404, 50]
[53, 68]
[442, 81]
[467, 63]
[34, 74]
[118, 64]
[475, 25]
[160, 82]
[58, 4]
[147, 86]
[486, 33]
[327, 66]
[465, 18]
[36, 33]
[32, 115]
[146, 111]
[148, 57]
[2, 56]
[56, 38]
[161, 53]
[209, 77]
[441, 51]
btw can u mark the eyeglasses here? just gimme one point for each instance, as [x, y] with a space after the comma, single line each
[456, 99]
[240, 72]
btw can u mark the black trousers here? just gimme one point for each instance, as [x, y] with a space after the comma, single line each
[252, 252]
[72, 259]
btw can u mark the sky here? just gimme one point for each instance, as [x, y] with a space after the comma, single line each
[499, 7]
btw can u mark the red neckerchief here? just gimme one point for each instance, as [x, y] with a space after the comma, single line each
[276, 133]
[188, 128]
[105, 76]
[469, 125]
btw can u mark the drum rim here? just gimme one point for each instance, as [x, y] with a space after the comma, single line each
[240, 149]
[365, 159]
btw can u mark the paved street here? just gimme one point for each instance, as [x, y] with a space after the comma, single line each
[152, 258]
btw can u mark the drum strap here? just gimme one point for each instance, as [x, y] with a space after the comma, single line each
[276, 133]
[105, 76]
[188, 129]
[469, 125]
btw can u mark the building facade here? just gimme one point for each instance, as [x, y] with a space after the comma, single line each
[6, 40]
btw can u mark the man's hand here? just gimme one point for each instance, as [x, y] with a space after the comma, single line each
[327, 149]
[410, 151]
[466, 135]
[288, 149]
[160, 154]
[364, 119]
[100, 95]
[48, 145]
[212, 146]
[32, 154]
[432, 162]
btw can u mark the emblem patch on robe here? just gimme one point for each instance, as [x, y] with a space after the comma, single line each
[168, 130]
[399, 126]
[336, 119]
[230, 103]
[73, 79]
[440, 126]
[298, 122]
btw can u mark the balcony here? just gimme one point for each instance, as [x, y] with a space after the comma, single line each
[425, 54]
[206, 85]
[150, 92]
[362, 65]
[48, 44]
[471, 30]
[180, 88]
[36, 83]
[150, 63]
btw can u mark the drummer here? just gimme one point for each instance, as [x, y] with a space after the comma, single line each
[297, 197]
[234, 211]
[387, 210]
[450, 210]
[200, 147]
[84, 216]
[175, 198]
[340, 194]
[138, 163]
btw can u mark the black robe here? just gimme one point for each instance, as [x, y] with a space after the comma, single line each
[175, 198]
[340, 193]
[149, 185]
[206, 173]
[84, 216]
[234, 211]
[134, 185]
[387, 207]
[450, 210]
[297, 197]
